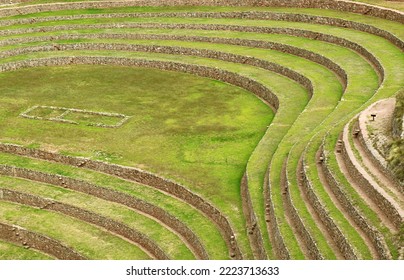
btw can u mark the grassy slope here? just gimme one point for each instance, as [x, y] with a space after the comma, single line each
[389, 4]
[183, 150]
[164, 238]
[207, 232]
[10, 251]
[86, 239]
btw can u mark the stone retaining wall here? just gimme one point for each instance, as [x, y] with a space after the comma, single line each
[340, 240]
[374, 235]
[114, 196]
[253, 229]
[29, 239]
[381, 201]
[307, 238]
[142, 177]
[110, 225]
[345, 6]
[136, 174]
[247, 60]
[209, 72]
[279, 246]
[252, 15]
[254, 43]
[255, 29]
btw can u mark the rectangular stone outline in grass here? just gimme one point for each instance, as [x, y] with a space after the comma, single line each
[66, 111]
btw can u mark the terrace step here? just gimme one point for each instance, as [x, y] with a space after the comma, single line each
[167, 186]
[110, 225]
[362, 180]
[72, 232]
[30, 239]
[325, 182]
[370, 234]
[341, 242]
[308, 244]
[113, 196]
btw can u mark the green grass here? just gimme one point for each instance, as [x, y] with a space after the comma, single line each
[390, 239]
[393, 27]
[310, 69]
[10, 251]
[289, 61]
[207, 147]
[84, 238]
[382, 3]
[362, 90]
[163, 237]
[178, 123]
[203, 228]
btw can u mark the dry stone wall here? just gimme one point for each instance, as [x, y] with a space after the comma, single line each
[110, 225]
[278, 243]
[203, 71]
[374, 235]
[260, 44]
[299, 78]
[142, 177]
[30, 239]
[114, 196]
[381, 201]
[253, 15]
[342, 243]
[345, 6]
[307, 238]
[256, 29]
[253, 230]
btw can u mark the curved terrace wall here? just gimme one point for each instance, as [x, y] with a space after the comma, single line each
[254, 29]
[115, 227]
[345, 6]
[342, 243]
[374, 235]
[114, 196]
[247, 60]
[47, 245]
[141, 176]
[252, 15]
[249, 84]
[253, 230]
[278, 243]
[309, 242]
[358, 176]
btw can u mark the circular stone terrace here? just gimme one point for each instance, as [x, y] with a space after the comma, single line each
[197, 129]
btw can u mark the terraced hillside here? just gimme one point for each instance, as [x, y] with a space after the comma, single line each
[197, 129]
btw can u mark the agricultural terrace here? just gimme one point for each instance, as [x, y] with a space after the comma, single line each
[147, 129]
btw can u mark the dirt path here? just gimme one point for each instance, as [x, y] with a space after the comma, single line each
[384, 219]
[387, 198]
[378, 176]
[378, 133]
